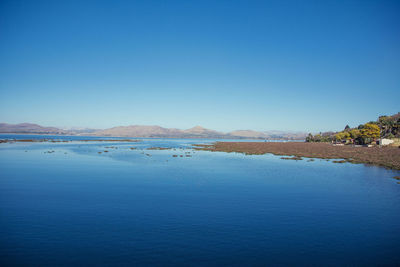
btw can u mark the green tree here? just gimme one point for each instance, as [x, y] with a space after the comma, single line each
[370, 132]
[343, 136]
[317, 138]
[310, 138]
[339, 136]
[355, 133]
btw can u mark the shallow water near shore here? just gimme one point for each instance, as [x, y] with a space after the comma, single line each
[69, 204]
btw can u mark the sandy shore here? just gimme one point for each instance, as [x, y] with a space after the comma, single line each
[388, 157]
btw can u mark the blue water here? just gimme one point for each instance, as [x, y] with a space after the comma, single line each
[76, 207]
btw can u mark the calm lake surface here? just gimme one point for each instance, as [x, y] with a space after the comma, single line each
[76, 207]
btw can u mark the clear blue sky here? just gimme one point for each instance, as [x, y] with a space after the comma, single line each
[226, 65]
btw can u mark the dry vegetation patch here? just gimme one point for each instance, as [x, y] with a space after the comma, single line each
[387, 156]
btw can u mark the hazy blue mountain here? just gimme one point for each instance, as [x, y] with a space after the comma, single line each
[248, 134]
[29, 128]
[150, 131]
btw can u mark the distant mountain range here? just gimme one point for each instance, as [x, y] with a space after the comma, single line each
[29, 128]
[151, 131]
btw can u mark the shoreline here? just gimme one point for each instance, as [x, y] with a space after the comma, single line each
[387, 157]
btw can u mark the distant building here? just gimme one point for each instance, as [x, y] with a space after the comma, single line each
[385, 142]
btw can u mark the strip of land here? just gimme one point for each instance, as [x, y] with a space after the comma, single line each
[388, 157]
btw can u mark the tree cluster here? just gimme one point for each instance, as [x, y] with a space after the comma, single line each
[321, 137]
[364, 134]
[390, 126]
[385, 127]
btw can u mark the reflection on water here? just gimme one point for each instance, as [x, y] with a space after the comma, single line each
[134, 206]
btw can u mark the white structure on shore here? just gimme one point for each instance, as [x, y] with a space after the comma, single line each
[385, 142]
